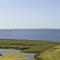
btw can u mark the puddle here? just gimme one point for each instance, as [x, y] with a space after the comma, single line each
[9, 51]
[30, 56]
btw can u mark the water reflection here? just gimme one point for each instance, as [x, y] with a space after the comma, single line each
[30, 56]
[9, 51]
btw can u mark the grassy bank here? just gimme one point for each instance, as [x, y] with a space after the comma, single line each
[51, 54]
[20, 56]
[28, 46]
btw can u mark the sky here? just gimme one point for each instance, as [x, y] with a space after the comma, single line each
[29, 14]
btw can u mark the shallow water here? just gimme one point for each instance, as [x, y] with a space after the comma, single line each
[30, 56]
[14, 51]
[9, 51]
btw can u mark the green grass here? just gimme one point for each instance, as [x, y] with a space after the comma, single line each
[51, 54]
[28, 46]
[20, 56]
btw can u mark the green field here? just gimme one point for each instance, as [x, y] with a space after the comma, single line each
[20, 56]
[31, 46]
[51, 54]
[28, 46]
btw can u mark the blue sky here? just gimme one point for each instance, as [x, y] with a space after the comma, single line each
[29, 14]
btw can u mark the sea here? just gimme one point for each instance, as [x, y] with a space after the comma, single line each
[30, 34]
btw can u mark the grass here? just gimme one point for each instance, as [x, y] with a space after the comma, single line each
[51, 54]
[28, 46]
[20, 56]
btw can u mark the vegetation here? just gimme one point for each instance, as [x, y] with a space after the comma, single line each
[51, 54]
[30, 46]
[20, 56]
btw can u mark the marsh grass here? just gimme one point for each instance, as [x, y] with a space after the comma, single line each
[51, 54]
[14, 57]
[27, 46]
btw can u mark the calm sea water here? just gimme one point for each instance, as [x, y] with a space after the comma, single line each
[31, 34]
